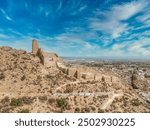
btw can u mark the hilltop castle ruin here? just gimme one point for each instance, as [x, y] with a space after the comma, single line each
[52, 59]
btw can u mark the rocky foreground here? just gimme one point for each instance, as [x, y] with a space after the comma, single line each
[26, 85]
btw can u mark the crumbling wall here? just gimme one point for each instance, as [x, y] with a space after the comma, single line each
[52, 59]
[47, 59]
[40, 55]
[78, 74]
[88, 76]
[98, 77]
[62, 67]
[71, 71]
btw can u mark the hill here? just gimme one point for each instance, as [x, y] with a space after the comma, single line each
[27, 84]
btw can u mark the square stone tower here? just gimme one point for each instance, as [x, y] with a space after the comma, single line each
[35, 46]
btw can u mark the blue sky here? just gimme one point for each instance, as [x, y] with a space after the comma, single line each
[92, 28]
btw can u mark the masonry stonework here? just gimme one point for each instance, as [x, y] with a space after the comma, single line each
[71, 71]
[78, 74]
[35, 46]
[52, 59]
[40, 55]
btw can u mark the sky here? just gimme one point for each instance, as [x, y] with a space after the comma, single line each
[78, 28]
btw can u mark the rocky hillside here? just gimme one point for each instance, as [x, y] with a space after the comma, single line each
[26, 85]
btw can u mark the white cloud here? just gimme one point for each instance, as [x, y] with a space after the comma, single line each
[112, 19]
[3, 36]
[125, 11]
[118, 46]
[26, 5]
[59, 5]
[82, 8]
[144, 17]
[139, 49]
[5, 14]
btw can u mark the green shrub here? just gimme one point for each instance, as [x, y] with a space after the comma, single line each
[24, 111]
[135, 102]
[43, 98]
[27, 100]
[62, 103]
[101, 110]
[16, 102]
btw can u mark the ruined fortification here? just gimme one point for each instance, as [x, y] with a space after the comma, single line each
[35, 46]
[40, 80]
[52, 59]
[46, 58]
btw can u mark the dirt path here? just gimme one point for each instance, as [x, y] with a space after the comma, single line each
[74, 82]
[110, 100]
[63, 94]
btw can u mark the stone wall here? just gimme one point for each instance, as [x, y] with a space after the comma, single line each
[72, 71]
[47, 59]
[88, 76]
[41, 56]
[52, 59]
[35, 46]
[62, 67]
[78, 74]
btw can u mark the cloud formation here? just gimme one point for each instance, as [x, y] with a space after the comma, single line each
[112, 21]
[78, 27]
[5, 14]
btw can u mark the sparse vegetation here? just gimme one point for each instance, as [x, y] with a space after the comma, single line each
[6, 110]
[51, 101]
[24, 111]
[62, 103]
[20, 101]
[5, 100]
[32, 84]
[43, 98]
[2, 76]
[27, 100]
[16, 102]
[101, 110]
[136, 102]
[68, 89]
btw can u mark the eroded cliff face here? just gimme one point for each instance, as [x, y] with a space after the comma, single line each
[27, 85]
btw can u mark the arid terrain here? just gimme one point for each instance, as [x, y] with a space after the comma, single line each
[27, 85]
